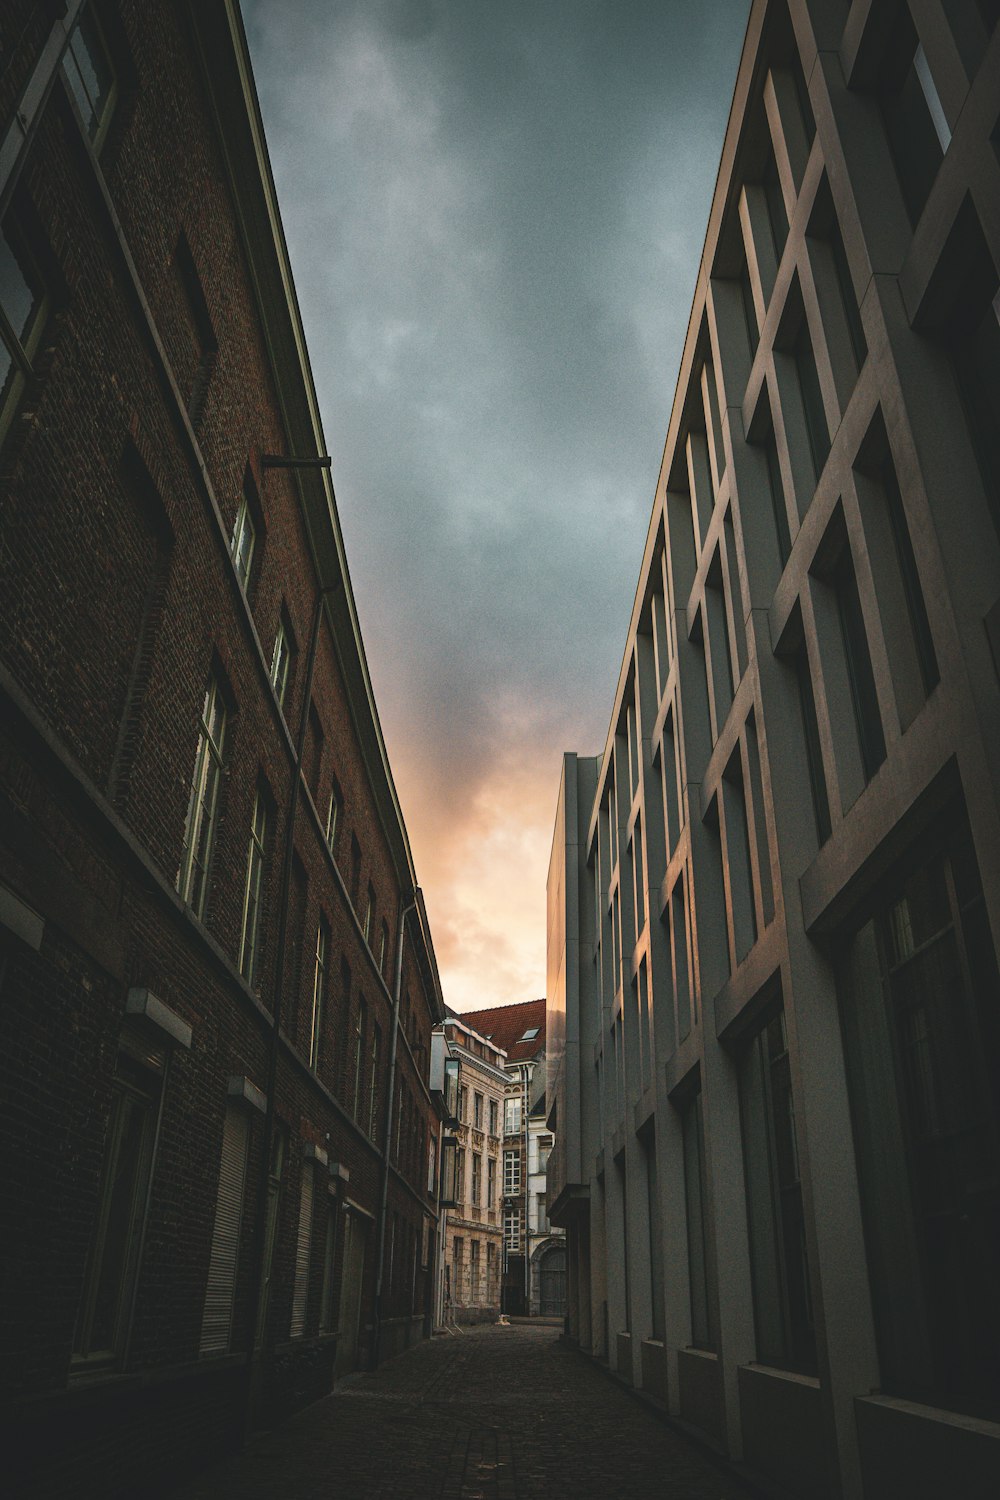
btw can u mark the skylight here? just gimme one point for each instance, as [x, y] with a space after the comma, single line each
[530, 1034]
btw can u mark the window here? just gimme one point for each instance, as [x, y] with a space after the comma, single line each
[915, 122]
[460, 1175]
[780, 1271]
[477, 1111]
[512, 1116]
[383, 948]
[511, 1173]
[369, 917]
[494, 1117]
[463, 1103]
[23, 304]
[318, 994]
[477, 1178]
[333, 817]
[432, 1165]
[474, 1271]
[917, 986]
[491, 1182]
[868, 720]
[692, 1131]
[254, 891]
[303, 1247]
[541, 1215]
[355, 870]
[512, 1230]
[88, 71]
[281, 661]
[359, 1048]
[199, 832]
[530, 1034]
[373, 1077]
[217, 1320]
[544, 1151]
[276, 1172]
[241, 543]
[113, 1262]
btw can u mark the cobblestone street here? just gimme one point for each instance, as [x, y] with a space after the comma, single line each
[492, 1414]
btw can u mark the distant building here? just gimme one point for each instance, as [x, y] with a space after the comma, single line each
[470, 1218]
[217, 979]
[534, 1271]
[774, 896]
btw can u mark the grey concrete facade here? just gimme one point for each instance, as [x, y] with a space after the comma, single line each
[774, 898]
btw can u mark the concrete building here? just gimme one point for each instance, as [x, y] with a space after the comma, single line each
[774, 896]
[217, 980]
[470, 1218]
[534, 1267]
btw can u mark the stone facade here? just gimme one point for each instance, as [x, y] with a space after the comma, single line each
[774, 897]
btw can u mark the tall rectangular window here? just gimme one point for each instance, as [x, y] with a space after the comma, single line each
[511, 1173]
[113, 1262]
[477, 1178]
[318, 1013]
[692, 1129]
[494, 1117]
[917, 985]
[491, 1182]
[217, 1319]
[303, 1251]
[512, 1115]
[359, 1048]
[241, 543]
[23, 303]
[91, 78]
[333, 816]
[383, 949]
[782, 1297]
[864, 697]
[281, 660]
[202, 814]
[373, 1077]
[369, 917]
[915, 122]
[474, 1271]
[814, 752]
[512, 1230]
[477, 1111]
[253, 893]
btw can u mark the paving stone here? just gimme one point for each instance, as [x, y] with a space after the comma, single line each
[497, 1414]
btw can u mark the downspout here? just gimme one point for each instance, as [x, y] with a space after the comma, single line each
[527, 1176]
[404, 911]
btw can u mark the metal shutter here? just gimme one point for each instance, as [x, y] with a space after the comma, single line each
[217, 1323]
[302, 1249]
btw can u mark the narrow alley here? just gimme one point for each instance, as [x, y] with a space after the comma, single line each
[496, 1413]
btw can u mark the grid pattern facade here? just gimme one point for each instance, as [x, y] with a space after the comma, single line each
[773, 983]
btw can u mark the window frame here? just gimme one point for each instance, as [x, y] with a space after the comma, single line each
[254, 885]
[203, 802]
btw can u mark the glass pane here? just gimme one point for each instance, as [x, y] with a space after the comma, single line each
[121, 1193]
[88, 52]
[19, 297]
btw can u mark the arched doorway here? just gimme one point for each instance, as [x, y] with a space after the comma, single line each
[553, 1283]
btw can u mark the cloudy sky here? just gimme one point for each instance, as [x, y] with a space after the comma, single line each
[495, 213]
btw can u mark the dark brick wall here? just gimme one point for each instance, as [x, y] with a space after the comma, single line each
[117, 600]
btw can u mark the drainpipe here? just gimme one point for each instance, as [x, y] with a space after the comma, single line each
[527, 1237]
[404, 911]
[258, 1331]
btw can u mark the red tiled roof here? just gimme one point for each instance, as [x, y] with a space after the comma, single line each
[505, 1025]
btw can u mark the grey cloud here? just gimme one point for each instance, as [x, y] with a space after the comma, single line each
[494, 214]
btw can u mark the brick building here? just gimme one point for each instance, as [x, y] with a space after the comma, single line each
[217, 981]
[774, 895]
